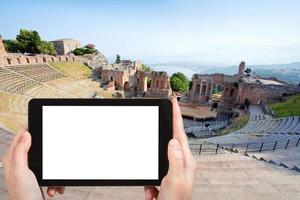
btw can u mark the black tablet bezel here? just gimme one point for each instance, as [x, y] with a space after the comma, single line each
[35, 129]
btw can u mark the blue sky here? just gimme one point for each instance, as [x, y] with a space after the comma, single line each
[216, 32]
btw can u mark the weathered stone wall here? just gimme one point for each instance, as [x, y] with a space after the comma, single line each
[260, 94]
[142, 78]
[203, 85]
[20, 59]
[119, 77]
[2, 49]
[241, 70]
[160, 85]
[96, 60]
[66, 46]
[137, 65]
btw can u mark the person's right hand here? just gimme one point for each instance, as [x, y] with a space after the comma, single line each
[179, 182]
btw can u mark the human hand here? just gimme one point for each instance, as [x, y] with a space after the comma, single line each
[179, 182]
[20, 181]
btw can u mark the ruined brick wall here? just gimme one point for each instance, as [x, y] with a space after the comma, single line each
[203, 85]
[241, 70]
[142, 78]
[160, 85]
[119, 77]
[20, 59]
[137, 65]
[259, 94]
[2, 49]
[202, 88]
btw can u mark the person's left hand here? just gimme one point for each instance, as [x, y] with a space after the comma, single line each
[20, 181]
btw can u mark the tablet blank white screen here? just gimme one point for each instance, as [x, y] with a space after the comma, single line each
[100, 142]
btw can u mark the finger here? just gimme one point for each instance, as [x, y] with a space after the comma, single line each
[51, 191]
[151, 193]
[42, 192]
[60, 190]
[178, 129]
[176, 161]
[17, 137]
[190, 171]
[20, 151]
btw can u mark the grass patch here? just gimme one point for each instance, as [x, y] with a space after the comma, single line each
[76, 70]
[290, 107]
[236, 124]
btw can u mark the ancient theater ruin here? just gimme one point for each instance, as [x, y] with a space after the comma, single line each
[237, 90]
[129, 77]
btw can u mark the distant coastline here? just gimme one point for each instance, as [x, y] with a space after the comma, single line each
[287, 72]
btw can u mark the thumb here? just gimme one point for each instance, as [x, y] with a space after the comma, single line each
[20, 151]
[175, 156]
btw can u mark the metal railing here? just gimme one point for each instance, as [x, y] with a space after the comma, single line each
[244, 148]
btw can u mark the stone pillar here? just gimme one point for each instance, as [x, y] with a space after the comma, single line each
[200, 88]
[194, 87]
[211, 89]
[144, 80]
[241, 69]
[206, 91]
[165, 84]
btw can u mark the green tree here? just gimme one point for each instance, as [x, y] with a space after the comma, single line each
[88, 49]
[118, 59]
[47, 48]
[190, 85]
[179, 82]
[11, 46]
[146, 67]
[29, 41]
[149, 82]
[78, 51]
[215, 90]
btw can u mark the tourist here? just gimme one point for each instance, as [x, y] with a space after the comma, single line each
[176, 185]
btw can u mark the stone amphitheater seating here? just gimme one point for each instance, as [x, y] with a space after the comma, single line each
[32, 80]
[44, 91]
[19, 83]
[219, 177]
[289, 158]
[13, 103]
[288, 125]
[12, 122]
[72, 87]
[198, 129]
[261, 133]
[15, 83]
[40, 72]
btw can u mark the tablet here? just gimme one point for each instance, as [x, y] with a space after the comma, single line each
[99, 142]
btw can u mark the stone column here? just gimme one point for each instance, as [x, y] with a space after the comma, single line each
[211, 89]
[200, 88]
[144, 80]
[165, 84]
[206, 91]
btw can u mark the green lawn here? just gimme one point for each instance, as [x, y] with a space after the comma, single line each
[236, 124]
[291, 107]
[76, 70]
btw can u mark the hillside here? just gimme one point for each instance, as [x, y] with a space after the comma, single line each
[76, 70]
[291, 107]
